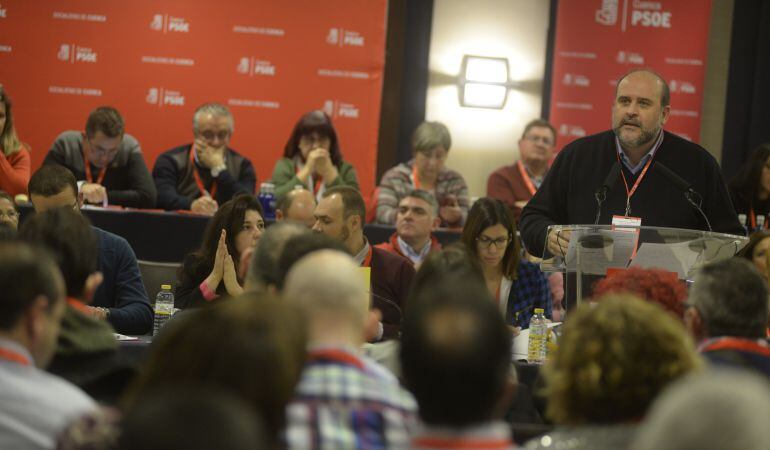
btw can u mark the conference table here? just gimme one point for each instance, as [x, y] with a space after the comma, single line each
[167, 236]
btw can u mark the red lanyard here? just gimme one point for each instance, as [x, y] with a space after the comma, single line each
[415, 180]
[79, 306]
[745, 345]
[526, 178]
[368, 260]
[753, 220]
[87, 163]
[331, 354]
[318, 181]
[12, 356]
[198, 177]
[458, 444]
[630, 193]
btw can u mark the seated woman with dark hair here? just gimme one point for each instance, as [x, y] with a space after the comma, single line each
[757, 250]
[517, 285]
[312, 158]
[213, 269]
[750, 190]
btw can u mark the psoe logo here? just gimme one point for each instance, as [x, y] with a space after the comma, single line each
[337, 109]
[252, 66]
[608, 13]
[164, 97]
[169, 24]
[343, 37]
[624, 57]
[571, 130]
[684, 87]
[573, 79]
[74, 53]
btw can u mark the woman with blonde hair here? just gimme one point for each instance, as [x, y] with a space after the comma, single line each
[14, 155]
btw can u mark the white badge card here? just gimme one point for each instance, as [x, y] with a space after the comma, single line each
[623, 223]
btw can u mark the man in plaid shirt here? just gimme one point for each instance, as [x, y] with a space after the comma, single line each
[344, 400]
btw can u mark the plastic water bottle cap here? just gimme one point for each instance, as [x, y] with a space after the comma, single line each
[539, 310]
[166, 287]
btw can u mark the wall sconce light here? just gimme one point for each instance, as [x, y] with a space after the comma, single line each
[483, 82]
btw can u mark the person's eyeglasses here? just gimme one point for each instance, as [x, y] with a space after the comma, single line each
[9, 214]
[499, 243]
[546, 141]
[211, 135]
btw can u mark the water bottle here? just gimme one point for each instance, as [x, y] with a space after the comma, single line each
[760, 223]
[742, 218]
[267, 199]
[164, 307]
[538, 337]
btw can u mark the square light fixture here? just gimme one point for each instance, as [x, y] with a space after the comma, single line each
[483, 82]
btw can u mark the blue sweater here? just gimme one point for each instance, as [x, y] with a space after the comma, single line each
[122, 290]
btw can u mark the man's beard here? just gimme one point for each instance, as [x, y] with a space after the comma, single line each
[646, 135]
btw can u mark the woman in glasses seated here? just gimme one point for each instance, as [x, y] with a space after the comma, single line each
[312, 158]
[750, 190]
[518, 286]
[214, 269]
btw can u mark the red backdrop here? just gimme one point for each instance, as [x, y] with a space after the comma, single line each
[597, 41]
[156, 61]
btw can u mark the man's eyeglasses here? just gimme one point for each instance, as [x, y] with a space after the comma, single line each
[546, 141]
[499, 243]
[211, 135]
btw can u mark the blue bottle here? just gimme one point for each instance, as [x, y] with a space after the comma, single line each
[267, 199]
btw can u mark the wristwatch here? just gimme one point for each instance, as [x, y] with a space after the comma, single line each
[215, 171]
[106, 311]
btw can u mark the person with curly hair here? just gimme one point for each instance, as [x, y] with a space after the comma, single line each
[613, 360]
[654, 285]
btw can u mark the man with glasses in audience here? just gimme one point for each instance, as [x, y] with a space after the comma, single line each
[120, 299]
[514, 185]
[107, 162]
[206, 173]
[9, 213]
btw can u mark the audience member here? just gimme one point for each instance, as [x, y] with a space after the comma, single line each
[312, 158]
[454, 261]
[654, 285]
[750, 189]
[416, 219]
[756, 251]
[207, 173]
[262, 274]
[120, 298]
[344, 399]
[426, 171]
[104, 147]
[192, 418]
[515, 185]
[213, 269]
[86, 352]
[518, 286]
[613, 360]
[9, 212]
[36, 405]
[296, 205]
[711, 411]
[14, 154]
[340, 214]
[296, 247]
[727, 313]
[456, 360]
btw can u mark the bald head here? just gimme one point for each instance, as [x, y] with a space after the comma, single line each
[297, 206]
[636, 75]
[329, 285]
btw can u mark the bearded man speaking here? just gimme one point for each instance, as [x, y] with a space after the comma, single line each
[638, 170]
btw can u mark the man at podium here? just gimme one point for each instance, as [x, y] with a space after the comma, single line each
[636, 171]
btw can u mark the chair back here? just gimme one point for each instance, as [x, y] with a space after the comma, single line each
[154, 274]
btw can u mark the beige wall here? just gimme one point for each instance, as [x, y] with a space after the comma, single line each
[515, 29]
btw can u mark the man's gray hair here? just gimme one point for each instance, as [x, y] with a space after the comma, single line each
[715, 410]
[731, 298]
[215, 109]
[426, 197]
[429, 135]
[263, 268]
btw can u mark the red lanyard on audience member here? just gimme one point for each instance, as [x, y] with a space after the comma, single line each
[318, 181]
[12, 356]
[197, 176]
[87, 163]
[79, 306]
[729, 343]
[331, 354]
[753, 220]
[368, 260]
[415, 180]
[461, 444]
[526, 178]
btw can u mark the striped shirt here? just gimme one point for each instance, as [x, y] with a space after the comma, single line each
[345, 400]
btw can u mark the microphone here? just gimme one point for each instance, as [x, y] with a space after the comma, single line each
[601, 194]
[390, 303]
[690, 194]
